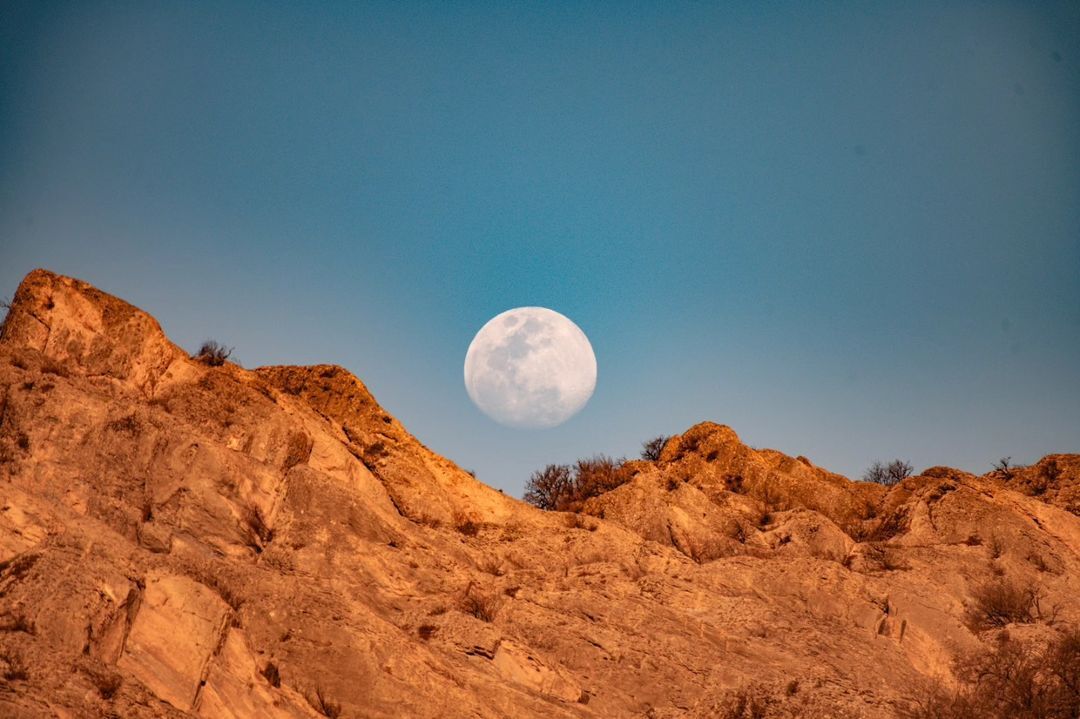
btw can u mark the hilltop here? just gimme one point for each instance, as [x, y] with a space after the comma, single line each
[180, 539]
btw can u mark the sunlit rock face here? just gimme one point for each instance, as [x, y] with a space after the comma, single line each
[180, 540]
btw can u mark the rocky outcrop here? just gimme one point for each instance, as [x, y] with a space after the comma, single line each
[184, 540]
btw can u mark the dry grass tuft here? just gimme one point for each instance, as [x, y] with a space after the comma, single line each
[482, 605]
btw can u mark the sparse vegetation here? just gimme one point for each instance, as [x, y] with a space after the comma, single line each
[128, 425]
[298, 450]
[212, 353]
[17, 623]
[746, 703]
[1014, 680]
[490, 565]
[888, 474]
[322, 703]
[426, 631]
[482, 605]
[651, 449]
[257, 533]
[882, 557]
[1000, 602]
[15, 668]
[107, 682]
[562, 488]
[547, 487]
[466, 525]
[271, 674]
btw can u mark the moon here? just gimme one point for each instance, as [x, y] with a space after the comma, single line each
[530, 367]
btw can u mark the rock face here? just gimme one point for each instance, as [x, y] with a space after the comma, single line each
[185, 540]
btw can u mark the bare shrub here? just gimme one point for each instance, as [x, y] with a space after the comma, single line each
[651, 449]
[888, 474]
[995, 546]
[548, 487]
[482, 605]
[213, 354]
[257, 533]
[1005, 468]
[594, 476]
[271, 673]
[426, 631]
[1000, 602]
[1014, 680]
[562, 488]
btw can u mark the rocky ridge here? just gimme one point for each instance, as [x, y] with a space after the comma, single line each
[184, 540]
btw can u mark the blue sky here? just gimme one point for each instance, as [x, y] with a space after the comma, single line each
[850, 231]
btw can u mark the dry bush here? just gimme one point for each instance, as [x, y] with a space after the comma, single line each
[1005, 468]
[272, 674]
[426, 631]
[490, 565]
[651, 449]
[106, 681]
[882, 557]
[734, 483]
[212, 354]
[482, 605]
[1014, 680]
[563, 488]
[298, 450]
[466, 525]
[18, 566]
[883, 528]
[888, 474]
[23, 441]
[1000, 602]
[995, 546]
[321, 703]
[548, 487]
[17, 623]
[14, 666]
[128, 425]
[257, 533]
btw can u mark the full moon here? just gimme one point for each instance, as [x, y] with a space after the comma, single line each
[530, 367]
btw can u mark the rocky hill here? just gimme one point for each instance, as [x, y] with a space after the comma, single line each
[181, 539]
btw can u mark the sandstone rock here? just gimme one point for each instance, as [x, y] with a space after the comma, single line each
[272, 542]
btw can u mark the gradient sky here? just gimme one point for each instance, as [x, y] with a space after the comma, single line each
[850, 231]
